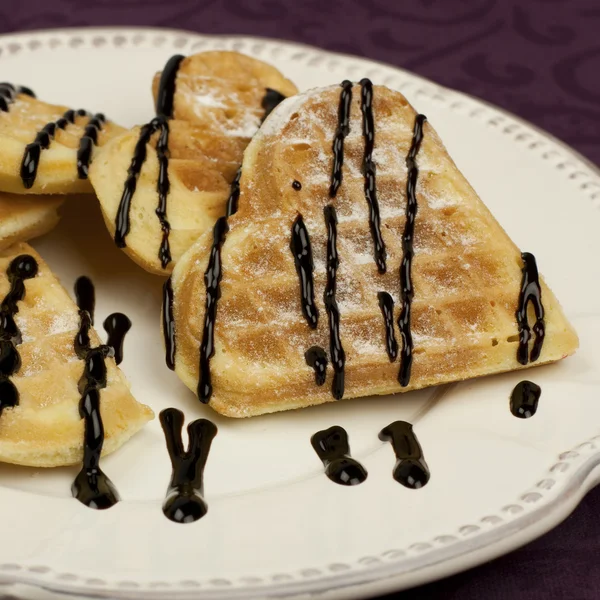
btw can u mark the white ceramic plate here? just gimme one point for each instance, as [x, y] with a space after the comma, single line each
[276, 525]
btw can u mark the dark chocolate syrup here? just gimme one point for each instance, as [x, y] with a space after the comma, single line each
[524, 399]
[303, 258]
[406, 286]
[164, 111]
[343, 129]
[122, 224]
[336, 350]
[331, 445]
[91, 486]
[270, 100]
[33, 151]
[369, 171]
[185, 502]
[85, 296]
[163, 186]
[316, 358]
[410, 469]
[9, 93]
[212, 280]
[168, 322]
[21, 268]
[530, 292]
[234, 194]
[386, 303]
[296, 185]
[117, 325]
[86, 144]
[166, 88]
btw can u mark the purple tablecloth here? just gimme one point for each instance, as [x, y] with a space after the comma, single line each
[538, 58]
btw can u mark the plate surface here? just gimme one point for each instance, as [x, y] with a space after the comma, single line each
[276, 525]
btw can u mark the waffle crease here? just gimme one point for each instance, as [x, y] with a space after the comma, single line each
[45, 429]
[466, 270]
[217, 110]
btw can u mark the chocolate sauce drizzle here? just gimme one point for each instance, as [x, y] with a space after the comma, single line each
[33, 151]
[185, 502]
[168, 322]
[117, 325]
[369, 170]
[86, 144]
[410, 469]
[303, 259]
[270, 100]
[21, 268]
[212, 281]
[336, 350]
[316, 358]
[530, 292]
[164, 111]
[524, 399]
[406, 286]
[343, 129]
[386, 304]
[85, 296]
[91, 486]
[331, 445]
[9, 93]
[166, 88]
[234, 194]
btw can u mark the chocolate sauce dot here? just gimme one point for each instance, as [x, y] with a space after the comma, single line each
[297, 185]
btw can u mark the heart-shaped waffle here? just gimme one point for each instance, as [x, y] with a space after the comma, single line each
[47, 149]
[164, 184]
[359, 262]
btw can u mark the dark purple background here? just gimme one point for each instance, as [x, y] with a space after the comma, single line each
[538, 58]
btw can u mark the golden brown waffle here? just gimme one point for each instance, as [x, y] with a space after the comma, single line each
[45, 429]
[25, 217]
[466, 271]
[217, 109]
[22, 117]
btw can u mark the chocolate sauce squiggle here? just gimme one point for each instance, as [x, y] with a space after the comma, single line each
[316, 358]
[33, 151]
[122, 221]
[92, 487]
[271, 100]
[86, 144]
[406, 286]
[303, 259]
[332, 447]
[369, 171]
[164, 111]
[343, 129]
[212, 281]
[9, 93]
[21, 268]
[410, 469]
[117, 325]
[386, 304]
[185, 495]
[165, 98]
[168, 322]
[336, 350]
[530, 292]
